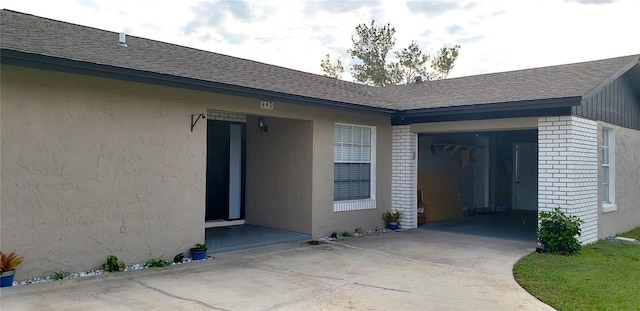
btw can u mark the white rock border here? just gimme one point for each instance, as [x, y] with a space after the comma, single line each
[83, 274]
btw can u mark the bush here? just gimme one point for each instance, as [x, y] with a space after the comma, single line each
[392, 216]
[156, 262]
[113, 264]
[558, 233]
[60, 275]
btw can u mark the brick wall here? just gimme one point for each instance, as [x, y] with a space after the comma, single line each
[568, 169]
[226, 116]
[403, 174]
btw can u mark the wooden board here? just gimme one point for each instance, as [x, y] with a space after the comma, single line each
[441, 194]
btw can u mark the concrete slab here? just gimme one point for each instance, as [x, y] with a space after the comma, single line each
[407, 270]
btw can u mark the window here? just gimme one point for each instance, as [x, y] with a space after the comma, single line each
[354, 167]
[607, 186]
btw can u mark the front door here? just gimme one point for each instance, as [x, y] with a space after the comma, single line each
[226, 142]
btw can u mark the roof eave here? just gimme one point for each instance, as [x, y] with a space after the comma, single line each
[512, 109]
[24, 59]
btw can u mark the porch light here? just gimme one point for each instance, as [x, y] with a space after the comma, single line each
[262, 125]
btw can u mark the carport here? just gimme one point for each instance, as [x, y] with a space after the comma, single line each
[478, 177]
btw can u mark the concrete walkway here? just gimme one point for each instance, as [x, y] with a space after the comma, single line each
[410, 270]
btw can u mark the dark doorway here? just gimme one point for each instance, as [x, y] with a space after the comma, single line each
[226, 148]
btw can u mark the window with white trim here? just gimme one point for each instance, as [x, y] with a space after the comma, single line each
[607, 184]
[354, 167]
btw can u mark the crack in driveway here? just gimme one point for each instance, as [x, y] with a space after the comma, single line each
[382, 288]
[145, 285]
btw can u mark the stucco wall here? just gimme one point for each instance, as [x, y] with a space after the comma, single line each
[627, 183]
[325, 220]
[278, 193]
[93, 167]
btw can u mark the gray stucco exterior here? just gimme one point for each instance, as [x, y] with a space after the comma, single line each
[98, 158]
[93, 167]
[626, 216]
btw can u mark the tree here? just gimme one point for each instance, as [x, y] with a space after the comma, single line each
[413, 63]
[333, 70]
[371, 47]
[443, 63]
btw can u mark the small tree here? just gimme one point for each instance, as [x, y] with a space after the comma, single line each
[371, 45]
[370, 51]
[333, 70]
[414, 63]
[558, 233]
[443, 62]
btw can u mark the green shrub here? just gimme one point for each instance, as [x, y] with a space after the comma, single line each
[558, 233]
[359, 231]
[60, 275]
[156, 262]
[392, 216]
[346, 234]
[113, 264]
[178, 258]
[200, 246]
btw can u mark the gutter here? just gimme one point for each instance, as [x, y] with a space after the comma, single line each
[23, 59]
[527, 108]
[544, 107]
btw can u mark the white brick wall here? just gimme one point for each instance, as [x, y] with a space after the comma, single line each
[568, 170]
[403, 174]
[226, 116]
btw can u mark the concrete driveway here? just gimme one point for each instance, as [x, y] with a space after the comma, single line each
[409, 270]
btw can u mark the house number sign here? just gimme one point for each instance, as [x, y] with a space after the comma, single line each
[266, 105]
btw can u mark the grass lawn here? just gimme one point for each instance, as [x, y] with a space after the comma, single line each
[603, 276]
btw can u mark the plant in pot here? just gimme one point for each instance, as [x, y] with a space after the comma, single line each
[8, 264]
[392, 219]
[199, 251]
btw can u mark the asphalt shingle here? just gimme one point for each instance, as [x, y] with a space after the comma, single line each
[31, 34]
[571, 80]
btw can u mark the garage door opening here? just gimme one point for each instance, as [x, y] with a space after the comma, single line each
[479, 183]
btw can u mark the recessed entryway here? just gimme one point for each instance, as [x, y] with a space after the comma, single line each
[258, 188]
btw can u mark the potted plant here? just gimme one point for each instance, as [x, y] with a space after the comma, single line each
[392, 219]
[8, 264]
[199, 251]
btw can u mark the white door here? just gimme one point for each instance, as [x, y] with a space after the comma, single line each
[525, 176]
[481, 174]
[235, 170]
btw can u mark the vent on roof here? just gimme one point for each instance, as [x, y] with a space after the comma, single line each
[123, 40]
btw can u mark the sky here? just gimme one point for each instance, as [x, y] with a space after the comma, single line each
[496, 35]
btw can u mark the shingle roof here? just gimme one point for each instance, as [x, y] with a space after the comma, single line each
[31, 34]
[570, 80]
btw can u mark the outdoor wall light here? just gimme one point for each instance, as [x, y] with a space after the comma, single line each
[262, 125]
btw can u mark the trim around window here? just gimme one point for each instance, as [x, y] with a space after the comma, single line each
[608, 170]
[354, 152]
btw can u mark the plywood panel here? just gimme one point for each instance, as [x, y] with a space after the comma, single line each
[440, 192]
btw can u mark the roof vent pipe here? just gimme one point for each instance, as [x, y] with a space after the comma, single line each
[123, 40]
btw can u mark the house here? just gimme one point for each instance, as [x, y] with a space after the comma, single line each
[115, 144]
